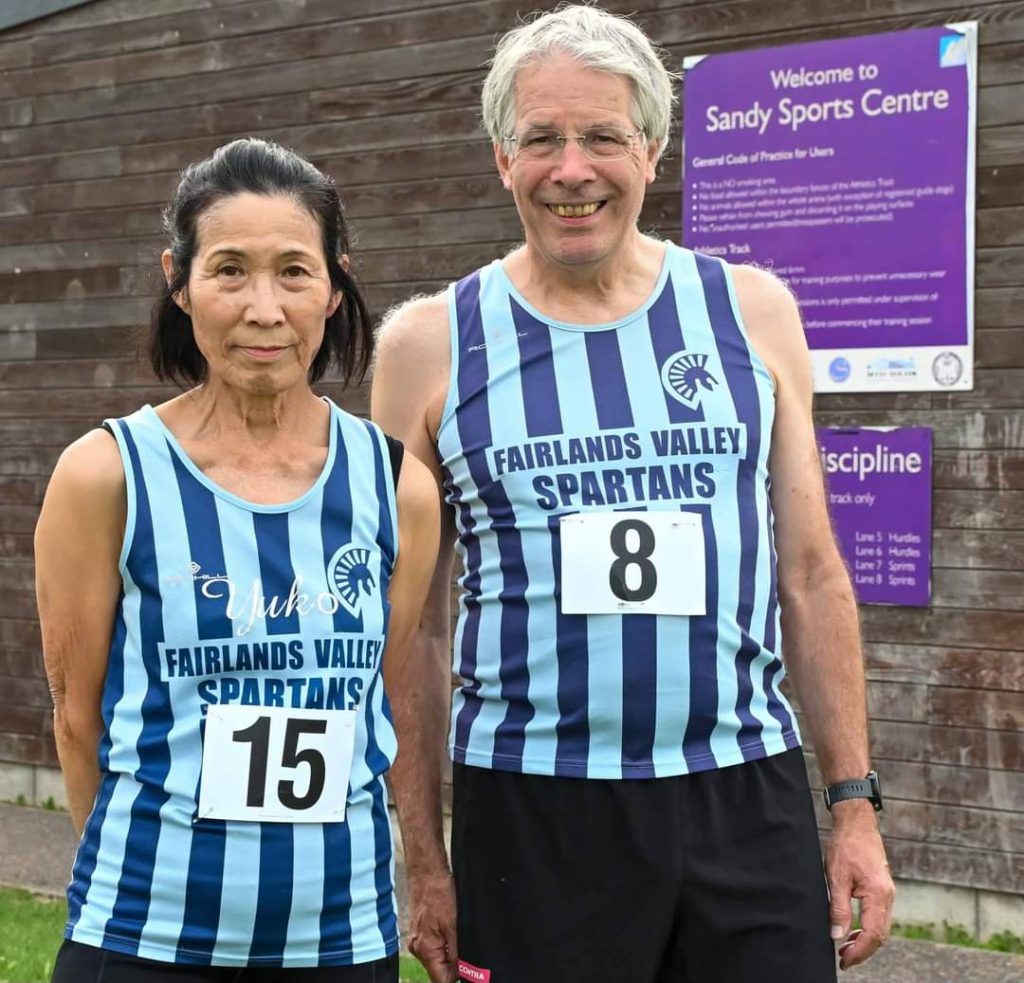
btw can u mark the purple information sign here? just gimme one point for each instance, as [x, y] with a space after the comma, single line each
[847, 167]
[880, 497]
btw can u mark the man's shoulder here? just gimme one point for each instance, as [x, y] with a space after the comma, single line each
[417, 322]
[758, 287]
[412, 366]
[772, 320]
[767, 306]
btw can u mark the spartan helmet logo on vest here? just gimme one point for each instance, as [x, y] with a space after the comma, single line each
[684, 375]
[349, 577]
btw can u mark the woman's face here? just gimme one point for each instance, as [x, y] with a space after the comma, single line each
[258, 292]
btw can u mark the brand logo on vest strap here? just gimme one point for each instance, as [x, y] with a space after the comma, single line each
[684, 374]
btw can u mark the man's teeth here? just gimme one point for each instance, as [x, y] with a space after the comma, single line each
[575, 211]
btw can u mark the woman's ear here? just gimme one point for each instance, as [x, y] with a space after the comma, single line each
[343, 261]
[181, 297]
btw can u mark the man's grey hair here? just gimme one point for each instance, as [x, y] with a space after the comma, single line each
[598, 40]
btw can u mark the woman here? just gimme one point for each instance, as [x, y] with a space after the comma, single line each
[217, 578]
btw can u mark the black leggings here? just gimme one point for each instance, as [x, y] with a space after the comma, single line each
[77, 963]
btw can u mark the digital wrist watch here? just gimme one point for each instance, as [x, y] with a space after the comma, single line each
[855, 788]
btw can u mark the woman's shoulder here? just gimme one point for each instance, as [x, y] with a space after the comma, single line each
[89, 481]
[92, 462]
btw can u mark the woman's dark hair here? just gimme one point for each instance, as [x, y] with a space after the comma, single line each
[262, 168]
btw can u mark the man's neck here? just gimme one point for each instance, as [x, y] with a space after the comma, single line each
[592, 294]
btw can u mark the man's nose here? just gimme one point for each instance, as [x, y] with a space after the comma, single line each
[573, 167]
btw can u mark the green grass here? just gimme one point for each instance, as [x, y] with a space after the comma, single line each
[958, 935]
[31, 930]
[411, 971]
[30, 935]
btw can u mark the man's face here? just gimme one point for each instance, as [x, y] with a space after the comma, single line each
[559, 94]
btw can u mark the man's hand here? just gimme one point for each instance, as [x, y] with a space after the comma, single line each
[856, 868]
[432, 925]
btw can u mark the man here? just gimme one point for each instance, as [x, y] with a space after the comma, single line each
[605, 415]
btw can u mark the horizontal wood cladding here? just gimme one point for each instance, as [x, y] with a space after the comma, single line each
[101, 106]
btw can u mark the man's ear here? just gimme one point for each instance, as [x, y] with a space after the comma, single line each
[181, 297]
[504, 162]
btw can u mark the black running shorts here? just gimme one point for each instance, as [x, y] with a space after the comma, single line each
[714, 877]
[77, 963]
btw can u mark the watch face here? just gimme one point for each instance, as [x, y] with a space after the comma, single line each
[947, 368]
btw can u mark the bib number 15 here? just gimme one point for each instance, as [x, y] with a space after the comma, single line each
[632, 563]
[276, 764]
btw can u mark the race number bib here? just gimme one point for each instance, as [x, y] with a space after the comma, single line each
[276, 764]
[632, 563]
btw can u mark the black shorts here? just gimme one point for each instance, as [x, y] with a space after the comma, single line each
[714, 877]
[77, 963]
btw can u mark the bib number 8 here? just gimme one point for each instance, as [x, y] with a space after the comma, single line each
[627, 563]
[626, 558]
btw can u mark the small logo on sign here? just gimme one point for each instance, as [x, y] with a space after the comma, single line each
[684, 374]
[474, 973]
[952, 51]
[947, 368]
[349, 577]
[839, 369]
[892, 368]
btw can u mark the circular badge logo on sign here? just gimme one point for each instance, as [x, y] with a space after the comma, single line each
[839, 369]
[947, 368]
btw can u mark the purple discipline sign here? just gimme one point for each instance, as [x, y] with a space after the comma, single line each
[880, 497]
[847, 167]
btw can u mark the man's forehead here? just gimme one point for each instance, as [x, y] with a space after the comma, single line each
[558, 83]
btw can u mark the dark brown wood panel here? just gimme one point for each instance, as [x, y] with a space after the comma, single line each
[957, 746]
[961, 627]
[979, 469]
[983, 549]
[923, 861]
[942, 666]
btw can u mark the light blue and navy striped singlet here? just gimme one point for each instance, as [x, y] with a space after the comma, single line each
[225, 601]
[669, 408]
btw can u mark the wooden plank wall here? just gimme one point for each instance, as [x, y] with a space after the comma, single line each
[99, 108]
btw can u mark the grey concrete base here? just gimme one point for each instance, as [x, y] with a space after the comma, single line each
[34, 784]
[982, 913]
[38, 849]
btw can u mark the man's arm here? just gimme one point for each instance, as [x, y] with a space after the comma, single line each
[819, 616]
[410, 385]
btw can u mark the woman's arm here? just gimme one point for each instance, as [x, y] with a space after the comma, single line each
[78, 543]
[418, 521]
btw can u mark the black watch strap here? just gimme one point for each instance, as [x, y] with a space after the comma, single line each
[855, 788]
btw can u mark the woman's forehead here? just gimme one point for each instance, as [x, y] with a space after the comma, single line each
[252, 218]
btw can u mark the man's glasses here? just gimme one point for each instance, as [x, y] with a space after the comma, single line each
[597, 143]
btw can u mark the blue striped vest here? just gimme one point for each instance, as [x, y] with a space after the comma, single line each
[668, 408]
[224, 601]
